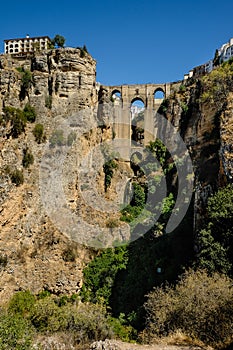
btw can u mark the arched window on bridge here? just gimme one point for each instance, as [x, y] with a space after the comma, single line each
[116, 97]
[137, 120]
[159, 95]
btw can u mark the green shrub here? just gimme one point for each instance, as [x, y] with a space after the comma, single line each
[17, 177]
[47, 316]
[17, 119]
[26, 79]
[15, 332]
[28, 158]
[38, 132]
[57, 138]
[201, 306]
[109, 167]
[21, 303]
[20, 69]
[215, 240]
[182, 88]
[85, 322]
[121, 328]
[88, 322]
[184, 107]
[131, 211]
[29, 113]
[212, 255]
[100, 274]
[158, 150]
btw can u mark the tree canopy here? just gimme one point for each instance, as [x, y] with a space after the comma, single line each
[58, 40]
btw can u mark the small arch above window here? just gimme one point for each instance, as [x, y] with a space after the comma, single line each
[116, 97]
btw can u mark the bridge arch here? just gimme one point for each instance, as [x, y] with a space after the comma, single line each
[138, 98]
[159, 94]
[116, 96]
[116, 92]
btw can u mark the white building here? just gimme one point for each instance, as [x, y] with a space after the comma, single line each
[226, 51]
[26, 45]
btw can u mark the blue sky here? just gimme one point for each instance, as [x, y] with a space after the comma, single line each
[136, 41]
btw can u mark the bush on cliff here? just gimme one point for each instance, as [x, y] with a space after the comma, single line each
[201, 306]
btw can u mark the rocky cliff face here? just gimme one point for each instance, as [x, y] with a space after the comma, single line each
[204, 121]
[33, 253]
[62, 81]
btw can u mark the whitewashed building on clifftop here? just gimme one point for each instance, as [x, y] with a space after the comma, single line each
[226, 51]
[26, 45]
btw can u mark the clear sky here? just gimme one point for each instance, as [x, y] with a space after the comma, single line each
[136, 41]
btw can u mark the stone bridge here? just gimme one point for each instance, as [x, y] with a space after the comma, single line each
[131, 132]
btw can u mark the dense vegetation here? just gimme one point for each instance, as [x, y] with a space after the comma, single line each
[200, 306]
[27, 316]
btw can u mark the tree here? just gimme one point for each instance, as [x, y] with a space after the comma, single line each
[58, 40]
[17, 120]
[28, 158]
[215, 241]
[29, 113]
[17, 177]
[100, 274]
[38, 132]
[85, 48]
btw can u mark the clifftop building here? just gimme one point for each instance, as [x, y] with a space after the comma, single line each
[224, 54]
[26, 45]
[226, 51]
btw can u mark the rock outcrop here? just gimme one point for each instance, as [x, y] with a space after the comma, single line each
[63, 81]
